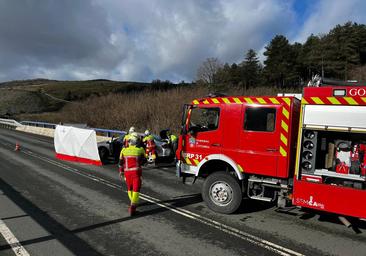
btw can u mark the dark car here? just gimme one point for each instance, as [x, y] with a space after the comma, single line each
[109, 151]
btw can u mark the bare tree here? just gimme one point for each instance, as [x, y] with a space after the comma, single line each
[208, 69]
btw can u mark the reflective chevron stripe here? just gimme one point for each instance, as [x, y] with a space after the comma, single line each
[354, 101]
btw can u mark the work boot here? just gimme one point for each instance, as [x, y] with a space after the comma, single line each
[132, 210]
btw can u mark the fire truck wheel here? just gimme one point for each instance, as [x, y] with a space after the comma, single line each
[221, 192]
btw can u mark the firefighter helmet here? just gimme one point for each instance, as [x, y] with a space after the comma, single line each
[131, 130]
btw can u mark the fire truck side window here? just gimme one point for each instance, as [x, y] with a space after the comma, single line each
[205, 119]
[260, 119]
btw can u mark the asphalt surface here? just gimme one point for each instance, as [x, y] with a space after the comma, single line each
[62, 208]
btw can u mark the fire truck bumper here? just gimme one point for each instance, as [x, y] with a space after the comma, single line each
[183, 169]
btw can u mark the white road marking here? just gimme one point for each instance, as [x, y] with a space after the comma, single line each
[12, 240]
[278, 249]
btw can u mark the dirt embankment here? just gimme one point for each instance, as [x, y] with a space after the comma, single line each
[14, 101]
[42, 95]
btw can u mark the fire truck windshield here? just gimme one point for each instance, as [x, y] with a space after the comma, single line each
[204, 119]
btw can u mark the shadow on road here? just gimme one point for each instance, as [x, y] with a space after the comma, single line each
[357, 224]
[175, 202]
[180, 201]
[56, 229]
[307, 214]
[251, 206]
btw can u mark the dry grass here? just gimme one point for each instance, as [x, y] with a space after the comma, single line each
[154, 110]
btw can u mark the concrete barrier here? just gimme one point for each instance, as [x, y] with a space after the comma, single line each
[49, 132]
[37, 130]
[31, 128]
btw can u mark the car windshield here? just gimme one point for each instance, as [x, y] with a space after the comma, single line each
[120, 138]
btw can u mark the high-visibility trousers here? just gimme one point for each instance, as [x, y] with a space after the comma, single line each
[133, 183]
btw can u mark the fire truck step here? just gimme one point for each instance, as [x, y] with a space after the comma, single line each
[266, 199]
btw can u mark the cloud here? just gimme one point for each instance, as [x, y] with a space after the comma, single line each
[143, 40]
[171, 38]
[39, 37]
[326, 14]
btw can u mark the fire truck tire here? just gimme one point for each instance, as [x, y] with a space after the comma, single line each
[221, 193]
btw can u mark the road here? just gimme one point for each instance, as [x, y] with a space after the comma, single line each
[53, 207]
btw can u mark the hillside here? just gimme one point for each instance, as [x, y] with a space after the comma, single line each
[42, 95]
[109, 104]
[148, 109]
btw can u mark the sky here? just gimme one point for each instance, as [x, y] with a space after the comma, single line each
[144, 40]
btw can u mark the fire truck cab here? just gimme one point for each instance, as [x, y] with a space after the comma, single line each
[308, 152]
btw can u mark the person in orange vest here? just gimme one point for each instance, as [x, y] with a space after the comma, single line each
[128, 135]
[130, 168]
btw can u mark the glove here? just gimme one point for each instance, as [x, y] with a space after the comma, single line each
[120, 169]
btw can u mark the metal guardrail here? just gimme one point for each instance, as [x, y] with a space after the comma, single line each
[99, 131]
[108, 133]
[9, 123]
[39, 124]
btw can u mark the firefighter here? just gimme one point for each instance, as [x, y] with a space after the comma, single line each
[173, 140]
[149, 144]
[127, 136]
[147, 136]
[130, 168]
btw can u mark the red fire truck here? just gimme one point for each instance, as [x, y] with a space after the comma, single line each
[310, 152]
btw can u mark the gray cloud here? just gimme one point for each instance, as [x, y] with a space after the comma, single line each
[138, 39]
[41, 37]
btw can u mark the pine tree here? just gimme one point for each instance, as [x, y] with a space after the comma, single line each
[342, 50]
[251, 69]
[278, 62]
[311, 57]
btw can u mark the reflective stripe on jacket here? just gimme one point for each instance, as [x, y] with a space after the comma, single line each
[132, 158]
[173, 138]
[148, 137]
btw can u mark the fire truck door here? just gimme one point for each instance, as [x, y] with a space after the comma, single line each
[203, 135]
[259, 140]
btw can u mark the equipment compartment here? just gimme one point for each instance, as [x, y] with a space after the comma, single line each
[338, 157]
